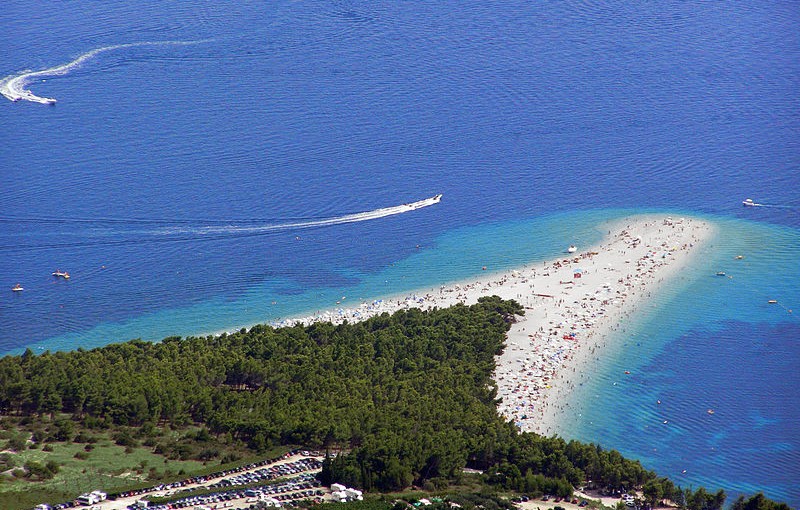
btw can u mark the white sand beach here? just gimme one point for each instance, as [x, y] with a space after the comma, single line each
[571, 305]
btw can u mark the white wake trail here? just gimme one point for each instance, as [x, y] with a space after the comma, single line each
[13, 86]
[338, 220]
[184, 233]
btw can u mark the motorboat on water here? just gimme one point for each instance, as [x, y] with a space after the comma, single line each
[423, 203]
[572, 248]
[748, 202]
[61, 274]
[17, 288]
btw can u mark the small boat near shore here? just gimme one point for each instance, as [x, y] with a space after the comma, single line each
[572, 248]
[748, 202]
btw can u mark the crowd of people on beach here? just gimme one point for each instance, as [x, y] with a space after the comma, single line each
[569, 324]
[571, 305]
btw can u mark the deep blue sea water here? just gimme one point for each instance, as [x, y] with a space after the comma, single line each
[165, 178]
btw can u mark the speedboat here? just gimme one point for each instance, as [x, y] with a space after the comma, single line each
[17, 288]
[748, 202]
[422, 203]
[61, 274]
[572, 248]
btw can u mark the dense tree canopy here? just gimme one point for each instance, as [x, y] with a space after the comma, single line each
[415, 386]
[758, 502]
[403, 398]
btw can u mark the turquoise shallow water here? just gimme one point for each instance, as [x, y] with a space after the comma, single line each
[704, 342]
[710, 343]
[454, 256]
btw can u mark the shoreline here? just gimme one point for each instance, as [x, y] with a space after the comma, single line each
[570, 322]
[633, 263]
[572, 308]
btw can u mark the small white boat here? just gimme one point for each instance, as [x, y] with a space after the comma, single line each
[572, 248]
[61, 274]
[748, 202]
[423, 203]
[17, 288]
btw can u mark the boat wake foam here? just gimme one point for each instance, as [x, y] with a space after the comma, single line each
[13, 86]
[778, 206]
[338, 220]
[107, 232]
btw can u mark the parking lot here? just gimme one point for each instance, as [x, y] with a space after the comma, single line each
[235, 488]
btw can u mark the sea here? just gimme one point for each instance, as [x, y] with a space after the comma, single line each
[212, 165]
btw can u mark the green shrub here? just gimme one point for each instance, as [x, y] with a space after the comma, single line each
[7, 461]
[17, 443]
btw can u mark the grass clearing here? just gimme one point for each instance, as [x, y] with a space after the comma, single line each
[107, 465]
